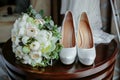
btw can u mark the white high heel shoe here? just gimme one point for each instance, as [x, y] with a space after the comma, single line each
[68, 53]
[85, 43]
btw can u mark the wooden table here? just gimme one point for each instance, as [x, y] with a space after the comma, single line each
[102, 68]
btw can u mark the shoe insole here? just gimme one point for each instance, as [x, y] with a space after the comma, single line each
[68, 34]
[84, 35]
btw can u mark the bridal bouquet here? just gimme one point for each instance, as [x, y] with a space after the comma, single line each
[35, 40]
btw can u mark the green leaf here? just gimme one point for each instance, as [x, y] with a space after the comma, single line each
[41, 12]
[31, 40]
[40, 26]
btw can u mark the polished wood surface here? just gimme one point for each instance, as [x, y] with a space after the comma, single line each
[104, 64]
[105, 75]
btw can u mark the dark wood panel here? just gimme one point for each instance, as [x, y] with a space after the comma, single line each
[55, 11]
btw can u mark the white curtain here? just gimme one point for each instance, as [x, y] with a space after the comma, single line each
[92, 8]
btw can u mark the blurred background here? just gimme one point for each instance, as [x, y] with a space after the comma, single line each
[11, 9]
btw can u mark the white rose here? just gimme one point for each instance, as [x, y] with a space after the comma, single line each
[43, 33]
[38, 60]
[31, 31]
[14, 31]
[13, 38]
[16, 23]
[35, 54]
[41, 21]
[43, 36]
[22, 24]
[27, 59]
[17, 40]
[14, 47]
[18, 52]
[47, 44]
[21, 31]
[41, 39]
[49, 35]
[35, 46]
[25, 16]
[25, 39]
[54, 39]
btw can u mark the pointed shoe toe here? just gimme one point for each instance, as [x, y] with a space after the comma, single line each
[68, 53]
[85, 42]
[87, 56]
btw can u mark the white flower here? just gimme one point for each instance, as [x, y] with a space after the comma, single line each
[46, 33]
[38, 60]
[41, 21]
[27, 59]
[49, 35]
[34, 45]
[46, 48]
[19, 23]
[35, 54]
[44, 36]
[19, 52]
[24, 18]
[47, 44]
[13, 38]
[16, 24]
[14, 47]
[25, 39]
[31, 31]
[41, 38]
[21, 31]
[14, 31]
[17, 40]
[54, 39]
[22, 24]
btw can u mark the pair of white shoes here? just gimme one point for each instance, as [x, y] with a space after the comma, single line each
[82, 45]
